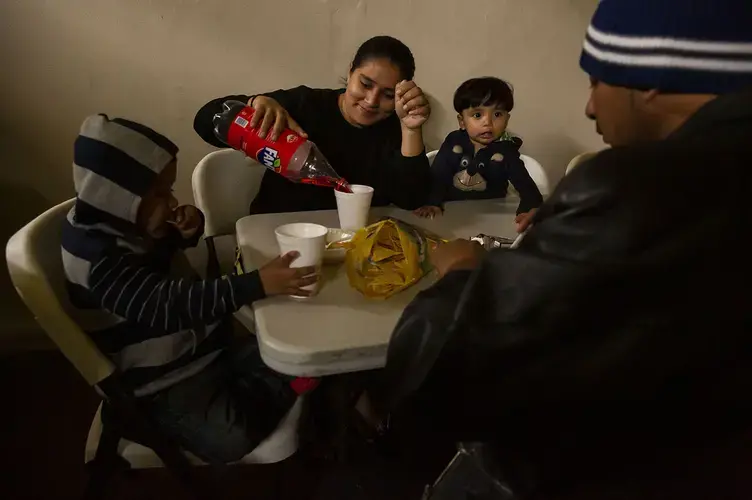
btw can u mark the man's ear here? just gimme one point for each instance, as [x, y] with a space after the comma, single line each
[460, 121]
[649, 96]
[642, 99]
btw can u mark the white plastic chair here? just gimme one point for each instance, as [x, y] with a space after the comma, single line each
[537, 174]
[431, 155]
[36, 270]
[279, 446]
[581, 158]
[224, 182]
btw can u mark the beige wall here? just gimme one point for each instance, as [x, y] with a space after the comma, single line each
[158, 61]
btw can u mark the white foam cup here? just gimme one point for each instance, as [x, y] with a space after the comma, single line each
[353, 207]
[309, 240]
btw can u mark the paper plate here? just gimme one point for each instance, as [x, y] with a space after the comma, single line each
[334, 238]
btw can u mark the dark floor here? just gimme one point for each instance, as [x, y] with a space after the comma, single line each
[46, 415]
[47, 409]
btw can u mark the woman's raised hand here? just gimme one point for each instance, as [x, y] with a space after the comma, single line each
[411, 105]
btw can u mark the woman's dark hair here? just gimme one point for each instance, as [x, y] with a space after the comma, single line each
[386, 47]
[486, 91]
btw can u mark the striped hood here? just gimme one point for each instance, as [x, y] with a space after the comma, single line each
[112, 276]
[115, 163]
[676, 46]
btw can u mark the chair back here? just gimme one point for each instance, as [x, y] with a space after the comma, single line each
[581, 158]
[36, 269]
[225, 182]
[431, 155]
[537, 174]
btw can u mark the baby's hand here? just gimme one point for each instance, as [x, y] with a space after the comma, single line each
[187, 220]
[428, 212]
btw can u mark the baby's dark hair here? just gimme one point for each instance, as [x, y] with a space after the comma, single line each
[386, 47]
[486, 91]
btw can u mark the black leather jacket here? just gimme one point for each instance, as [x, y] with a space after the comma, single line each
[622, 322]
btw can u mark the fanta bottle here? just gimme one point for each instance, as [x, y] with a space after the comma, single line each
[290, 156]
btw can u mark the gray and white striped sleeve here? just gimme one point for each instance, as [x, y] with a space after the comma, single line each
[132, 290]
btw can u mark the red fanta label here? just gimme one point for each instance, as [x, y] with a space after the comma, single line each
[275, 155]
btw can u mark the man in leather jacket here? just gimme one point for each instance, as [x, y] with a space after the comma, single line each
[621, 328]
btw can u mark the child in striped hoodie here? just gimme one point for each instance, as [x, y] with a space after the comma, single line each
[170, 335]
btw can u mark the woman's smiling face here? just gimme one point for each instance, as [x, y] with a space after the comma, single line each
[369, 97]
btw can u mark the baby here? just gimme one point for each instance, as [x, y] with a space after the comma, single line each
[479, 160]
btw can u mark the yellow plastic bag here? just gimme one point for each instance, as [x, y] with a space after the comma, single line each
[387, 257]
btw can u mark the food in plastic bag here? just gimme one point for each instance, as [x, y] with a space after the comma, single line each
[388, 256]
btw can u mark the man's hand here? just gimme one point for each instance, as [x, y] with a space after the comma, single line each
[187, 220]
[524, 220]
[428, 212]
[456, 255]
[278, 278]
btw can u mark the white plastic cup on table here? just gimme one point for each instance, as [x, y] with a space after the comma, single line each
[353, 207]
[309, 240]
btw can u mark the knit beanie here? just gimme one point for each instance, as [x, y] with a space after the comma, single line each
[675, 46]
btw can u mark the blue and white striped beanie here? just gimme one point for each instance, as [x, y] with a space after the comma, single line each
[676, 46]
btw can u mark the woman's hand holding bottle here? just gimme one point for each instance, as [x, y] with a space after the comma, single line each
[270, 115]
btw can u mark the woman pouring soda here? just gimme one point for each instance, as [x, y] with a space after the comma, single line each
[370, 132]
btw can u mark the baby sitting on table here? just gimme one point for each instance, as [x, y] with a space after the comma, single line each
[480, 159]
[170, 336]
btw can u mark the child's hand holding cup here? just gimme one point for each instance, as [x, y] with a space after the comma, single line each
[308, 241]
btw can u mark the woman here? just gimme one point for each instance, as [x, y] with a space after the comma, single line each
[371, 131]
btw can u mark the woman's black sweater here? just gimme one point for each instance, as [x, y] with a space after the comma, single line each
[369, 155]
